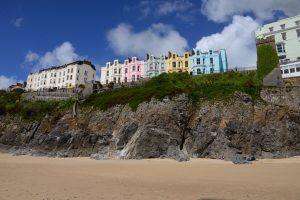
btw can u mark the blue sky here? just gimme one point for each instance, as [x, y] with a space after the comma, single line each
[40, 33]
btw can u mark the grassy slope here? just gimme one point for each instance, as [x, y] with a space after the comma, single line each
[207, 87]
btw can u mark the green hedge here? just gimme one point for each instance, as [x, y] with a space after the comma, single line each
[267, 60]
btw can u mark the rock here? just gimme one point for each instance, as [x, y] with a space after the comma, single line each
[239, 130]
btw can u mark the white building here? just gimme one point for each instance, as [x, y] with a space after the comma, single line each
[287, 38]
[66, 76]
[111, 72]
[154, 66]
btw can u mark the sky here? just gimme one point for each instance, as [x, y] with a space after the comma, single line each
[36, 34]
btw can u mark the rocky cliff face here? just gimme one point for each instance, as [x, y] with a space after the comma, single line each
[236, 130]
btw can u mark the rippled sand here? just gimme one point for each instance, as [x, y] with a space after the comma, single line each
[30, 178]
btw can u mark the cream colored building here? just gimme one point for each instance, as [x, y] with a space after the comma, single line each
[112, 72]
[65, 76]
[287, 37]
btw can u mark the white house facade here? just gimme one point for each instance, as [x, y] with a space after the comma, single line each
[154, 66]
[287, 38]
[65, 76]
[112, 72]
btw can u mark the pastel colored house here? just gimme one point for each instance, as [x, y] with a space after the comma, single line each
[176, 63]
[133, 70]
[112, 72]
[154, 66]
[208, 62]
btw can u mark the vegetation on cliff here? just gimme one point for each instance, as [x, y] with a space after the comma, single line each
[267, 60]
[206, 87]
[13, 103]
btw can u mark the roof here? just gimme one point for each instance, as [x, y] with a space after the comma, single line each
[79, 62]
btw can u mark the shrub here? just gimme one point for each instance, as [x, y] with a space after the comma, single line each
[267, 60]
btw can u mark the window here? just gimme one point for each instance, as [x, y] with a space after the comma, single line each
[138, 77]
[292, 70]
[71, 77]
[126, 62]
[78, 71]
[68, 70]
[72, 70]
[198, 52]
[178, 64]
[283, 36]
[77, 77]
[280, 48]
[67, 77]
[126, 70]
[115, 70]
[50, 81]
[282, 26]
[198, 61]
[210, 52]
[107, 73]
[173, 56]
[119, 71]
[119, 80]
[106, 82]
[59, 74]
[54, 74]
[138, 68]
[85, 73]
[186, 63]
[133, 77]
[286, 71]
[115, 80]
[211, 70]
[133, 68]
[198, 71]
[174, 64]
[298, 32]
[125, 80]
[186, 55]
[59, 80]
[115, 63]
[64, 72]
[203, 59]
[63, 80]
[211, 60]
[298, 69]
[51, 74]
[271, 29]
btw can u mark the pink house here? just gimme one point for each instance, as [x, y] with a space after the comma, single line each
[133, 70]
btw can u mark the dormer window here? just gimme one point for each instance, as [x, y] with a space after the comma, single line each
[198, 52]
[297, 23]
[271, 29]
[107, 65]
[210, 52]
[116, 62]
[186, 55]
[174, 56]
[133, 59]
[282, 26]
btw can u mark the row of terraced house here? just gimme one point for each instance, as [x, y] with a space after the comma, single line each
[194, 62]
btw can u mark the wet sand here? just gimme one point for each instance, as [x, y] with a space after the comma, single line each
[30, 178]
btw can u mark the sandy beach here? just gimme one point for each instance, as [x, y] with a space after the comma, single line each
[30, 178]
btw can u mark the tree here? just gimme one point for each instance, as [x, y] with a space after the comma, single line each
[111, 85]
[267, 60]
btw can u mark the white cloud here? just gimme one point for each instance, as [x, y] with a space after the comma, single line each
[157, 39]
[223, 10]
[65, 53]
[168, 7]
[238, 39]
[5, 82]
[18, 22]
[31, 56]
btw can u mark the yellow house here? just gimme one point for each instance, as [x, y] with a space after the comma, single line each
[175, 63]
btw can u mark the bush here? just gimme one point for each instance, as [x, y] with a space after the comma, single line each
[267, 60]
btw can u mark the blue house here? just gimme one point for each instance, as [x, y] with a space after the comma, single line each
[208, 62]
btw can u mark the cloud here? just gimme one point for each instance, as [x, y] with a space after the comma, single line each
[157, 39]
[238, 38]
[224, 10]
[18, 22]
[168, 7]
[5, 82]
[182, 9]
[65, 53]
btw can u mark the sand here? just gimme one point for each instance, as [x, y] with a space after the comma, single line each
[30, 178]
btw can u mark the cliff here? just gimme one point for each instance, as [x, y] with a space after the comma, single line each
[238, 129]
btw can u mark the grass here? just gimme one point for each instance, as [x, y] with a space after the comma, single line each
[12, 103]
[206, 87]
